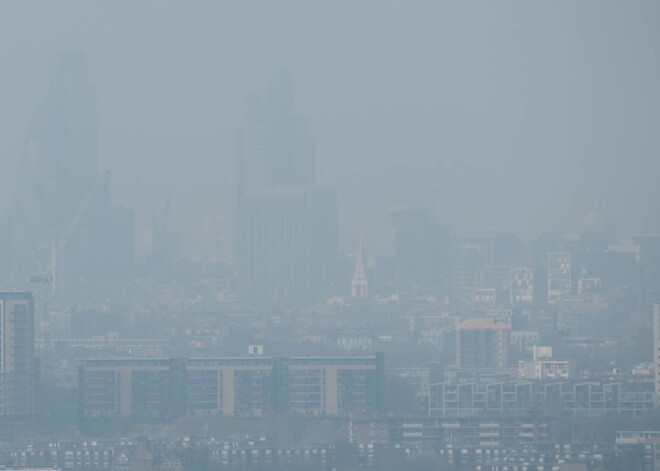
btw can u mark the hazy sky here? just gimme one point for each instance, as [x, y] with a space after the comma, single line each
[514, 116]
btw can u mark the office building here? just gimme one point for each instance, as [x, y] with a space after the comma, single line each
[521, 286]
[438, 330]
[582, 315]
[422, 250]
[589, 285]
[585, 250]
[484, 298]
[287, 226]
[483, 342]
[360, 283]
[484, 261]
[559, 276]
[496, 278]
[17, 361]
[64, 227]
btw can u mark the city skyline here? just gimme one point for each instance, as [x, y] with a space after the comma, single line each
[300, 236]
[433, 159]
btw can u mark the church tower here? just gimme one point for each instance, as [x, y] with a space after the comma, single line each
[360, 283]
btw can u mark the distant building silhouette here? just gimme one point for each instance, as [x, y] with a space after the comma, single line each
[287, 226]
[360, 283]
[656, 351]
[64, 226]
[649, 265]
[422, 250]
[583, 250]
[521, 285]
[559, 276]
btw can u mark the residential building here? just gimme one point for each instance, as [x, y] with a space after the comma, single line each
[333, 386]
[165, 388]
[230, 386]
[432, 432]
[131, 388]
[483, 342]
[17, 360]
[638, 450]
[543, 366]
[554, 398]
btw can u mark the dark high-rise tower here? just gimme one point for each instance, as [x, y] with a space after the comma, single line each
[286, 224]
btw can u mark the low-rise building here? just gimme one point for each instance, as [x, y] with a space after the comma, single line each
[550, 398]
[638, 450]
[543, 366]
[167, 388]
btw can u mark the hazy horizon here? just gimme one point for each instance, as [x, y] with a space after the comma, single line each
[513, 117]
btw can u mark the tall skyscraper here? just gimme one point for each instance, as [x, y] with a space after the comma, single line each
[63, 225]
[649, 267]
[656, 351]
[59, 165]
[17, 363]
[287, 226]
[360, 283]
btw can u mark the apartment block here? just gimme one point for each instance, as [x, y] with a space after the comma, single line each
[17, 361]
[483, 342]
[551, 398]
[234, 387]
[129, 388]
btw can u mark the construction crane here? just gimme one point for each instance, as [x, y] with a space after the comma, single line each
[57, 246]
